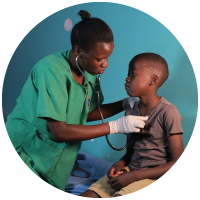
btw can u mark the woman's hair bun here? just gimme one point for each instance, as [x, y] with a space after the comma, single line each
[84, 14]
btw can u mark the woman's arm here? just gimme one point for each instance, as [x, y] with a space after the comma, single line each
[63, 132]
[107, 110]
[175, 143]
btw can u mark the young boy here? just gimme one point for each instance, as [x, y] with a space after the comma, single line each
[153, 151]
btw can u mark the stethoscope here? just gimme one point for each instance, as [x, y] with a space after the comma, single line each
[97, 92]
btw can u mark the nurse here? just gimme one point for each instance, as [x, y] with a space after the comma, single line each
[49, 121]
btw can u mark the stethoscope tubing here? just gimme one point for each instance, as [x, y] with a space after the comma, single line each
[97, 92]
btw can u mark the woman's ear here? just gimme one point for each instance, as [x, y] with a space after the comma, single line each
[77, 50]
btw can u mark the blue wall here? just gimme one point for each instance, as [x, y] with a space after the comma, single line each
[134, 32]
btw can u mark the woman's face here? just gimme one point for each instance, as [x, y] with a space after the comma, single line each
[95, 60]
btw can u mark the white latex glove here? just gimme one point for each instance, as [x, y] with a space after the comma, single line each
[127, 124]
[129, 102]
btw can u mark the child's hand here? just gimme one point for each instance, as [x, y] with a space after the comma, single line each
[120, 181]
[114, 171]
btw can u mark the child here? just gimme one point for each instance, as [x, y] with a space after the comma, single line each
[153, 151]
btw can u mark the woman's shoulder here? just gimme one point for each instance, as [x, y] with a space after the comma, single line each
[56, 62]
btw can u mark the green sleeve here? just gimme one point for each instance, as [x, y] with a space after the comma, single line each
[52, 93]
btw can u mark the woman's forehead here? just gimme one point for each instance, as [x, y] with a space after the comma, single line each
[102, 48]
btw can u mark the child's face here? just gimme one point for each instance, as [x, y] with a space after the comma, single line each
[138, 80]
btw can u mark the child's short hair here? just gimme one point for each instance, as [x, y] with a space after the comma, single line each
[157, 65]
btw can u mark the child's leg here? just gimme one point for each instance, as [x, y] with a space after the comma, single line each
[100, 189]
[133, 187]
[90, 193]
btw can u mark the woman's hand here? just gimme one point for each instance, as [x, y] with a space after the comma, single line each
[114, 171]
[127, 124]
[121, 180]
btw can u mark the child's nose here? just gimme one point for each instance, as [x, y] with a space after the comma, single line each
[127, 79]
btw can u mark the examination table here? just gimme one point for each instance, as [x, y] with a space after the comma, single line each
[96, 167]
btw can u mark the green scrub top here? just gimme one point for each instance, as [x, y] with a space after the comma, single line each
[52, 92]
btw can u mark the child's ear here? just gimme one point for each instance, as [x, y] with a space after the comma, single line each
[154, 80]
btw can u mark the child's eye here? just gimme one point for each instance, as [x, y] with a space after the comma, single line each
[132, 74]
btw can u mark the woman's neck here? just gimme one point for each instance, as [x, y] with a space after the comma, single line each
[78, 77]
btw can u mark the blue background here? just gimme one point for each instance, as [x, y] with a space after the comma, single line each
[134, 32]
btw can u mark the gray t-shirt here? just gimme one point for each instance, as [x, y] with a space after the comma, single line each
[151, 144]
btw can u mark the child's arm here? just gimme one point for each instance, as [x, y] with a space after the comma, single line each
[176, 149]
[114, 171]
[175, 143]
